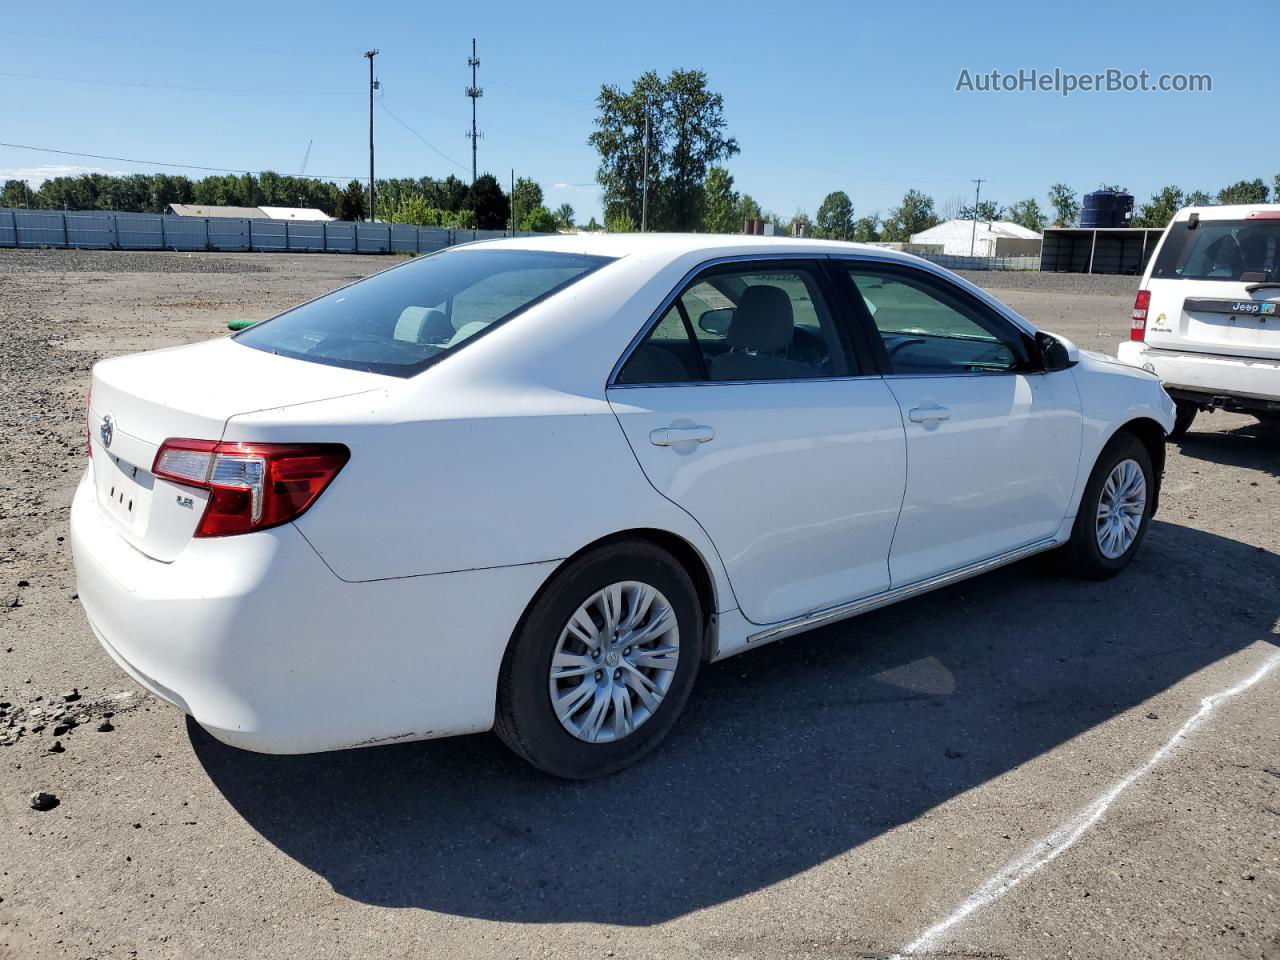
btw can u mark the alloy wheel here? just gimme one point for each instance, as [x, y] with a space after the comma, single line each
[1121, 507]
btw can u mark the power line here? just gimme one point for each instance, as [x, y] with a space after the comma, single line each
[161, 163]
[383, 105]
[169, 86]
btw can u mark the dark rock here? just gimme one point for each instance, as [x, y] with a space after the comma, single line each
[57, 747]
[1153, 716]
[105, 727]
[71, 697]
[952, 754]
[44, 801]
[62, 729]
[24, 583]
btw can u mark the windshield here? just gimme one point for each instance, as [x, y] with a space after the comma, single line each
[1241, 250]
[401, 320]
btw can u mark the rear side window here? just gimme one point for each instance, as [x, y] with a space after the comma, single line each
[400, 321]
[1240, 250]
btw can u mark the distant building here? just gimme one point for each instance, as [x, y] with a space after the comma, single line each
[246, 213]
[991, 238]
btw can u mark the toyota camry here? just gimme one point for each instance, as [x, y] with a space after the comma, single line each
[532, 485]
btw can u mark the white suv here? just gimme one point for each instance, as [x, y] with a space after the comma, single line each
[1207, 316]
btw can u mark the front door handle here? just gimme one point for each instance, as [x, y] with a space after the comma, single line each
[931, 412]
[666, 436]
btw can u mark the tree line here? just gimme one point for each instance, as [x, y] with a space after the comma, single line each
[426, 201]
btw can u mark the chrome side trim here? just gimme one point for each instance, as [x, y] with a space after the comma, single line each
[844, 611]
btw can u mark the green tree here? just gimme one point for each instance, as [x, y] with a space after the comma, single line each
[914, 214]
[564, 216]
[592, 226]
[866, 229]
[800, 225]
[835, 216]
[1197, 198]
[1159, 210]
[539, 220]
[748, 209]
[526, 197]
[620, 223]
[720, 203]
[353, 204]
[1065, 205]
[686, 136]
[490, 205]
[1027, 213]
[1245, 191]
[986, 210]
[16, 193]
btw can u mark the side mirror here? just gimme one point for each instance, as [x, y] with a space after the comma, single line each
[1056, 353]
[716, 322]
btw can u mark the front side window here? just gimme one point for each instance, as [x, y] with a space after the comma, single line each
[401, 320]
[742, 323]
[1239, 250]
[928, 328]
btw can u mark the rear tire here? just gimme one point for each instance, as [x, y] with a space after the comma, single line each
[1109, 525]
[1186, 413]
[595, 637]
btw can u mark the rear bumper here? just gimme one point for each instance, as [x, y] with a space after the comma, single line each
[255, 637]
[1245, 383]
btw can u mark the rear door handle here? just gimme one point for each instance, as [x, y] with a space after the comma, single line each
[666, 436]
[932, 412]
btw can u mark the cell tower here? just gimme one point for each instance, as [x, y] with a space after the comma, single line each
[475, 93]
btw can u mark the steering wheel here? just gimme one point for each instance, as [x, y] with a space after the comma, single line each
[904, 342]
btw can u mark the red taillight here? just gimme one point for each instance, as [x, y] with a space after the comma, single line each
[251, 486]
[1138, 325]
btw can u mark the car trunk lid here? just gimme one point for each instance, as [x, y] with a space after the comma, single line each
[138, 402]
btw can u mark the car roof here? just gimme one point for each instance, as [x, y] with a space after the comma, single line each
[673, 245]
[1230, 211]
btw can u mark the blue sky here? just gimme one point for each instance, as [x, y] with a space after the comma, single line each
[821, 96]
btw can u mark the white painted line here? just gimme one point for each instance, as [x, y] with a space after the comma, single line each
[1049, 848]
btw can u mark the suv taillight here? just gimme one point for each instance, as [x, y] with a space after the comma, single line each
[1138, 326]
[251, 486]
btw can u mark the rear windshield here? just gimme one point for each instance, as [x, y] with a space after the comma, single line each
[1241, 250]
[400, 321]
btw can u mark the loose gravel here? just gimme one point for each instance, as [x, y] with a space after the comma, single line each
[836, 795]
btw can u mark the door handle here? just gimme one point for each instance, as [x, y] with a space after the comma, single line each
[666, 436]
[925, 414]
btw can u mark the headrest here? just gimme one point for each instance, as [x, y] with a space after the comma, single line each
[763, 319]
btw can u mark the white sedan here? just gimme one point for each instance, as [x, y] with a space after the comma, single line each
[531, 485]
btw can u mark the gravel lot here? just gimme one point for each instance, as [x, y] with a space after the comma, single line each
[837, 795]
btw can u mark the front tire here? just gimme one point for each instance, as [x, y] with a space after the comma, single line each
[1115, 511]
[603, 662]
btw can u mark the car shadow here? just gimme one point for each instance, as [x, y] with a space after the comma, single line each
[786, 757]
[1253, 446]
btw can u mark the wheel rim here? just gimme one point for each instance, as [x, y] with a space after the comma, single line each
[1120, 508]
[614, 662]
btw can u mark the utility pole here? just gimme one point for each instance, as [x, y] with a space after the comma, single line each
[475, 93]
[372, 85]
[644, 189]
[973, 237]
[513, 201]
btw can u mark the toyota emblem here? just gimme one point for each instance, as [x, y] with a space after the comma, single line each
[107, 430]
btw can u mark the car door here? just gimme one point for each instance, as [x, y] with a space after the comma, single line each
[747, 406]
[993, 441]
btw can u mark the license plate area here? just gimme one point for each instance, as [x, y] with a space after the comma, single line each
[124, 491]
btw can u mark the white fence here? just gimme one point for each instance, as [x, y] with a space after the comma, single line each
[982, 263]
[110, 230]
